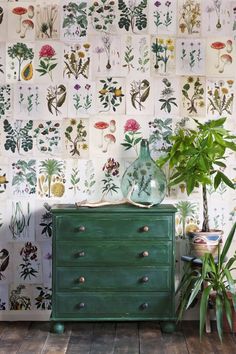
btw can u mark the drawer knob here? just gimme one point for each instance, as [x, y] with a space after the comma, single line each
[145, 228]
[81, 228]
[144, 254]
[81, 305]
[144, 306]
[80, 254]
[144, 279]
[82, 280]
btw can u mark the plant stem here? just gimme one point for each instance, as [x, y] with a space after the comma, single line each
[205, 224]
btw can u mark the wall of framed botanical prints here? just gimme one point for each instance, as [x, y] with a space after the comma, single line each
[81, 82]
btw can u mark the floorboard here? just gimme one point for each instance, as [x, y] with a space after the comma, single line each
[111, 338]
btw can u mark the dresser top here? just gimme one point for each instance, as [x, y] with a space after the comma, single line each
[124, 208]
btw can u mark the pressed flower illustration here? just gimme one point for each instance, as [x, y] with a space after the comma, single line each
[47, 136]
[2, 305]
[82, 98]
[47, 61]
[129, 55]
[28, 101]
[111, 172]
[75, 180]
[220, 97]
[163, 51]
[18, 135]
[159, 139]
[139, 93]
[46, 221]
[29, 258]
[77, 60]
[190, 57]
[167, 99]
[133, 135]
[143, 59]
[43, 300]
[47, 20]
[56, 97]
[18, 300]
[5, 99]
[76, 137]
[75, 19]
[20, 221]
[132, 15]
[110, 95]
[193, 95]
[24, 177]
[22, 53]
[51, 180]
[163, 15]
[190, 17]
[102, 15]
[89, 183]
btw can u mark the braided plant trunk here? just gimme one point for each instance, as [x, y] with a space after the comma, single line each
[205, 224]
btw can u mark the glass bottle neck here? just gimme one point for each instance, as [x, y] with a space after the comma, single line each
[144, 149]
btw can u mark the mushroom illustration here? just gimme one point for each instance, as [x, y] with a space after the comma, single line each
[101, 126]
[226, 59]
[229, 46]
[218, 46]
[109, 139]
[112, 126]
[27, 26]
[31, 11]
[19, 11]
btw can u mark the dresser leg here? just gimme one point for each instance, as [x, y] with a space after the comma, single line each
[168, 327]
[58, 327]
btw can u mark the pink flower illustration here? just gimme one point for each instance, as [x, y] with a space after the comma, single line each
[131, 126]
[47, 51]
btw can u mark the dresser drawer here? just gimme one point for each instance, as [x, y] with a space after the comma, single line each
[113, 253]
[119, 305]
[73, 227]
[113, 279]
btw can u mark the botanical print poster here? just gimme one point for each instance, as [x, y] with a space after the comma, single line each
[190, 56]
[135, 55]
[19, 62]
[220, 56]
[216, 18]
[162, 17]
[47, 19]
[81, 84]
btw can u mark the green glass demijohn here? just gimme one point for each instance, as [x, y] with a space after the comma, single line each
[143, 181]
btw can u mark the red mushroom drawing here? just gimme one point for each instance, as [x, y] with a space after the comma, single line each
[218, 46]
[112, 126]
[229, 46]
[19, 11]
[109, 139]
[226, 59]
[27, 26]
[101, 126]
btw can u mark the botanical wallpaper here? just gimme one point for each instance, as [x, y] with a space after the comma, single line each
[81, 83]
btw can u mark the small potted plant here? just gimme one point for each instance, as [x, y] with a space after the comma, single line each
[211, 282]
[197, 158]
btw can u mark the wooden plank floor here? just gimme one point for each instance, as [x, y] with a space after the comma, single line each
[110, 338]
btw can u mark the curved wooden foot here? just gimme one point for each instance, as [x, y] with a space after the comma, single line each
[58, 327]
[168, 326]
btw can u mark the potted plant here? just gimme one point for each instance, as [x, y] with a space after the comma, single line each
[197, 158]
[213, 281]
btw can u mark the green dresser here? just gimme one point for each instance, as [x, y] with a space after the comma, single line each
[113, 263]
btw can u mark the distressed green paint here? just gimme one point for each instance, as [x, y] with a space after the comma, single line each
[125, 257]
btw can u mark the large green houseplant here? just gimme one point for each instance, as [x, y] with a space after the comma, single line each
[213, 279]
[197, 158]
